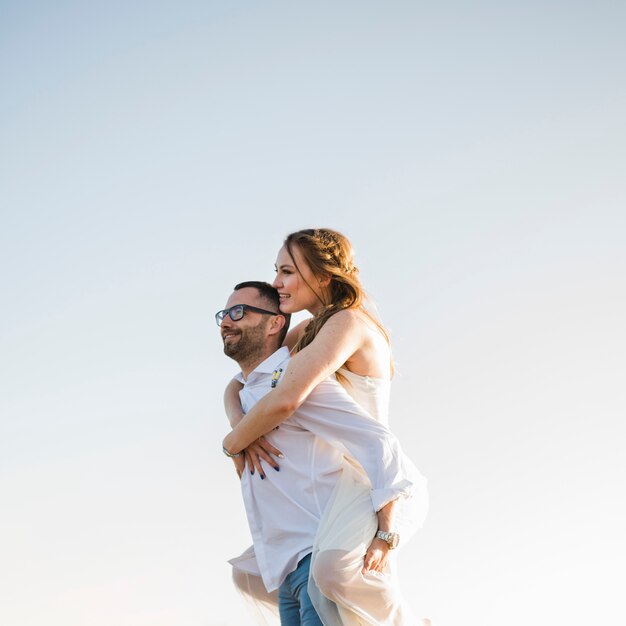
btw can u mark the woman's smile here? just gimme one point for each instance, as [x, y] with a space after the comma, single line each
[294, 280]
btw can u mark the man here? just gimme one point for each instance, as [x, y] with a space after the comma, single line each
[284, 509]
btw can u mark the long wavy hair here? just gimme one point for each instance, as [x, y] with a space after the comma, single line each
[328, 253]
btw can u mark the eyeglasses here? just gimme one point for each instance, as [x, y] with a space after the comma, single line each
[237, 312]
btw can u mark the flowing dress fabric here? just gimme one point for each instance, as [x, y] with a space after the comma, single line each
[261, 603]
[341, 594]
[348, 526]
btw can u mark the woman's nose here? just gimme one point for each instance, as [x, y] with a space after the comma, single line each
[276, 282]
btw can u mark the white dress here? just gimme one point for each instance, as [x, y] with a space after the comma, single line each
[342, 595]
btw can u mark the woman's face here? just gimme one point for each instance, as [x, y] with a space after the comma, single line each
[295, 288]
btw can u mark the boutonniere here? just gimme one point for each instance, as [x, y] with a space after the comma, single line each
[276, 376]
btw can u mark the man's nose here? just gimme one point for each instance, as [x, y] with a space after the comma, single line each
[227, 322]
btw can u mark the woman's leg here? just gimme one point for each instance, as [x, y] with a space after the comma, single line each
[360, 598]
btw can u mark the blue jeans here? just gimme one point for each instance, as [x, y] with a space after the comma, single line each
[294, 604]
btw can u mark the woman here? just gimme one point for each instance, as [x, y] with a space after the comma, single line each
[315, 272]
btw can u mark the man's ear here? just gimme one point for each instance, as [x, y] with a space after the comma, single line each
[277, 323]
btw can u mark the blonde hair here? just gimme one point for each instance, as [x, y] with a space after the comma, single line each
[328, 253]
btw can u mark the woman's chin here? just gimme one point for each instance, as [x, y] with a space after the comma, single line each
[289, 307]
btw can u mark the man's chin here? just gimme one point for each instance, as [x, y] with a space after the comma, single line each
[231, 345]
[230, 349]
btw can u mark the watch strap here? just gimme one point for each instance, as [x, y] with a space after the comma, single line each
[390, 538]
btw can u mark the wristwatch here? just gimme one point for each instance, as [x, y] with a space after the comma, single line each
[392, 539]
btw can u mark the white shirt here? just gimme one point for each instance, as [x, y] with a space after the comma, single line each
[284, 509]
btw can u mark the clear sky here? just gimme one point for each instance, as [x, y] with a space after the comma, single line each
[153, 154]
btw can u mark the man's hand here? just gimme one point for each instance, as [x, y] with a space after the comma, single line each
[376, 557]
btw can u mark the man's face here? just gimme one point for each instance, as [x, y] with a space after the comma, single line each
[245, 337]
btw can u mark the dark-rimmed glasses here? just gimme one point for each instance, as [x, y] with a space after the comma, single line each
[237, 311]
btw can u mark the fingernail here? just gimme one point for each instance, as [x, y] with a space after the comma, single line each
[277, 469]
[281, 456]
[262, 477]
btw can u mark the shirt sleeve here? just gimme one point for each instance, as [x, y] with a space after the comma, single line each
[330, 413]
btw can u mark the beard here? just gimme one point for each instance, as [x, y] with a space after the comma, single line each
[248, 344]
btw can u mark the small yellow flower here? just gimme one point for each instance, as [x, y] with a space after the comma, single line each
[276, 376]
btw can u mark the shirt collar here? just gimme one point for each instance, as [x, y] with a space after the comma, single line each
[266, 367]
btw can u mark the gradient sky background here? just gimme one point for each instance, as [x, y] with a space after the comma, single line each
[153, 154]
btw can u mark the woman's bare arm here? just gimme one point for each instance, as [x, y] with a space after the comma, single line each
[258, 450]
[378, 552]
[336, 342]
[232, 403]
[294, 334]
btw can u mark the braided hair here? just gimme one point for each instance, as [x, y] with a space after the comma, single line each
[329, 254]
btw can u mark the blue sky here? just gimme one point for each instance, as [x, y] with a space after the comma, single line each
[154, 154]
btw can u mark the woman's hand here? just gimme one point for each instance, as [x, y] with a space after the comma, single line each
[261, 449]
[376, 557]
[240, 465]
[378, 552]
